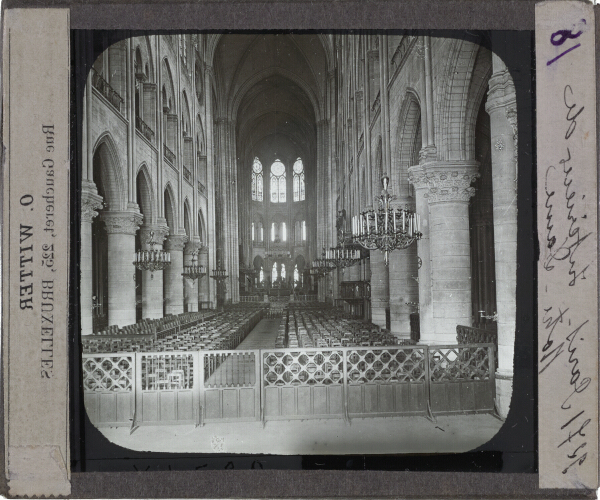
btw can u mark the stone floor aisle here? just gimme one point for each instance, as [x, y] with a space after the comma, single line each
[241, 369]
[262, 336]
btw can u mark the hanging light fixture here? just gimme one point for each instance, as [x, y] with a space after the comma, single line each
[194, 271]
[341, 256]
[386, 228]
[346, 253]
[219, 274]
[316, 273]
[151, 260]
[324, 264]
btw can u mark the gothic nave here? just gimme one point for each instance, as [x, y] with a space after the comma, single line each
[242, 161]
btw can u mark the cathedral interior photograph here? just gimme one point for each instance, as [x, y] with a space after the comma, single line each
[296, 243]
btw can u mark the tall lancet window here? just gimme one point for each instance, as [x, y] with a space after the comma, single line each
[261, 275]
[296, 274]
[299, 180]
[274, 273]
[257, 180]
[282, 271]
[278, 182]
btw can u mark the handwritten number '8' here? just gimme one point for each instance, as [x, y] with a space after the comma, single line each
[562, 36]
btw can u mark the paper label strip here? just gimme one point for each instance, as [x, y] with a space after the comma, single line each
[35, 250]
[567, 235]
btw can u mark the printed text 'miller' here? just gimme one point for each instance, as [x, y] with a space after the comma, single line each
[26, 259]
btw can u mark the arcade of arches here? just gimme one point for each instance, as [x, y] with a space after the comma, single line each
[245, 148]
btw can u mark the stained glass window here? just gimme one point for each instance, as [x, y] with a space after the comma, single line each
[282, 271]
[274, 273]
[296, 274]
[278, 182]
[299, 191]
[257, 180]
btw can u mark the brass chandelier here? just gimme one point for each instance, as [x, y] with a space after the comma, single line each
[153, 259]
[386, 228]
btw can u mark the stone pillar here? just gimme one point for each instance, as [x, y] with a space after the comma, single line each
[449, 193]
[121, 228]
[190, 288]
[203, 283]
[417, 177]
[173, 280]
[152, 283]
[501, 106]
[380, 288]
[403, 289]
[90, 203]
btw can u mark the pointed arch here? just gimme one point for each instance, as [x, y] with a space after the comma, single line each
[145, 194]
[201, 227]
[453, 102]
[377, 168]
[108, 173]
[142, 44]
[407, 143]
[170, 209]
[200, 139]
[478, 86]
[187, 222]
[185, 111]
[168, 88]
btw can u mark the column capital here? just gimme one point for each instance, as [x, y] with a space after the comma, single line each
[416, 176]
[122, 222]
[450, 181]
[91, 204]
[160, 233]
[193, 245]
[176, 242]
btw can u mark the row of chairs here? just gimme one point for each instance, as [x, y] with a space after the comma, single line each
[328, 327]
[219, 332]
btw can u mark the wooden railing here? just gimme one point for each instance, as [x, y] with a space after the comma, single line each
[471, 335]
[269, 384]
[252, 298]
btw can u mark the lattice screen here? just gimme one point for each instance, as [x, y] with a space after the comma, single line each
[385, 365]
[108, 373]
[303, 368]
[459, 363]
